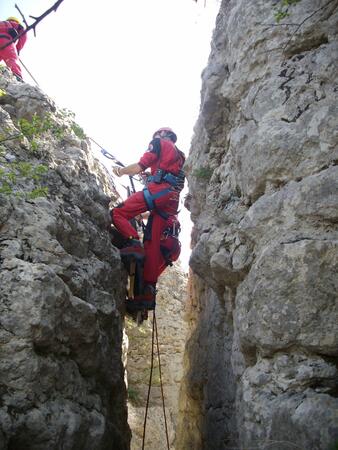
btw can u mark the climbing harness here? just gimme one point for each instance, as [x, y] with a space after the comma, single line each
[162, 176]
[155, 333]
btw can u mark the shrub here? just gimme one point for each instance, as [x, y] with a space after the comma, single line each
[203, 173]
[283, 10]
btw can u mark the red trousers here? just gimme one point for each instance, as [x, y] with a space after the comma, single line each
[10, 56]
[135, 205]
[173, 247]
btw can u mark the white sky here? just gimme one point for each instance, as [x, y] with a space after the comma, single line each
[124, 67]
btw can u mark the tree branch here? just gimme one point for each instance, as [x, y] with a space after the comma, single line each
[34, 24]
[21, 14]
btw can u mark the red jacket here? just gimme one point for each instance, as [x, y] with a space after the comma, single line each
[162, 154]
[10, 29]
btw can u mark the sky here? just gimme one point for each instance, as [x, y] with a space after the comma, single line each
[124, 67]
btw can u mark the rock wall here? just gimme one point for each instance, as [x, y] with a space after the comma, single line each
[61, 375]
[172, 330]
[261, 363]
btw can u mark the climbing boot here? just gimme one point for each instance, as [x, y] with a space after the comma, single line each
[18, 78]
[145, 301]
[132, 254]
[132, 248]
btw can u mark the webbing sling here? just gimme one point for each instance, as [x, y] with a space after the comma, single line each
[149, 199]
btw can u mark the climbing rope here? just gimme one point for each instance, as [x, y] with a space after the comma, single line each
[160, 372]
[154, 332]
[29, 73]
[119, 163]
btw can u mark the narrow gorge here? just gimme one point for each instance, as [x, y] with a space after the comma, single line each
[249, 338]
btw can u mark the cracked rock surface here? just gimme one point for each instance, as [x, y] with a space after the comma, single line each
[261, 369]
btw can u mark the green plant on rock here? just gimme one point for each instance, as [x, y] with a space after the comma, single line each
[133, 395]
[7, 135]
[203, 173]
[12, 174]
[282, 10]
[39, 126]
[69, 115]
[38, 192]
[66, 113]
[78, 131]
[5, 186]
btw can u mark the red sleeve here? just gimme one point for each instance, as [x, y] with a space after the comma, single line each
[21, 42]
[147, 160]
[151, 155]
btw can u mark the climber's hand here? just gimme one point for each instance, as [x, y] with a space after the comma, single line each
[117, 171]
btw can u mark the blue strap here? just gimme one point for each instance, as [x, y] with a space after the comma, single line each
[149, 198]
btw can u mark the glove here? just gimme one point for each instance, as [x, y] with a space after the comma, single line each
[117, 170]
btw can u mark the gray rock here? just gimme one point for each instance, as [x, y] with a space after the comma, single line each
[265, 232]
[62, 290]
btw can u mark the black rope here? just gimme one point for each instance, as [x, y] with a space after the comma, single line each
[149, 385]
[113, 158]
[155, 333]
[29, 73]
[160, 371]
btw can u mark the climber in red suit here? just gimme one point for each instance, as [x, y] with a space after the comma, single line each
[161, 196]
[10, 29]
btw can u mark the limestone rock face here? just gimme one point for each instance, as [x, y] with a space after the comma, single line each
[264, 201]
[61, 375]
[172, 330]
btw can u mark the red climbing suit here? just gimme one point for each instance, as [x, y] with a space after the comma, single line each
[8, 30]
[161, 154]
[170, 246]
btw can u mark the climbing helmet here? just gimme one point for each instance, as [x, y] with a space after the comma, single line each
[166, 132]
[14, 19]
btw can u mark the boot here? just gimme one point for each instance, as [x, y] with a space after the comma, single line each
[132, 248]
[145, 301]
[18, 77]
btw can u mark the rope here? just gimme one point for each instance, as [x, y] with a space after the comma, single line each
[155, 333]
[149, 385]
[113, 158]
[29, 73]
[160, 371]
